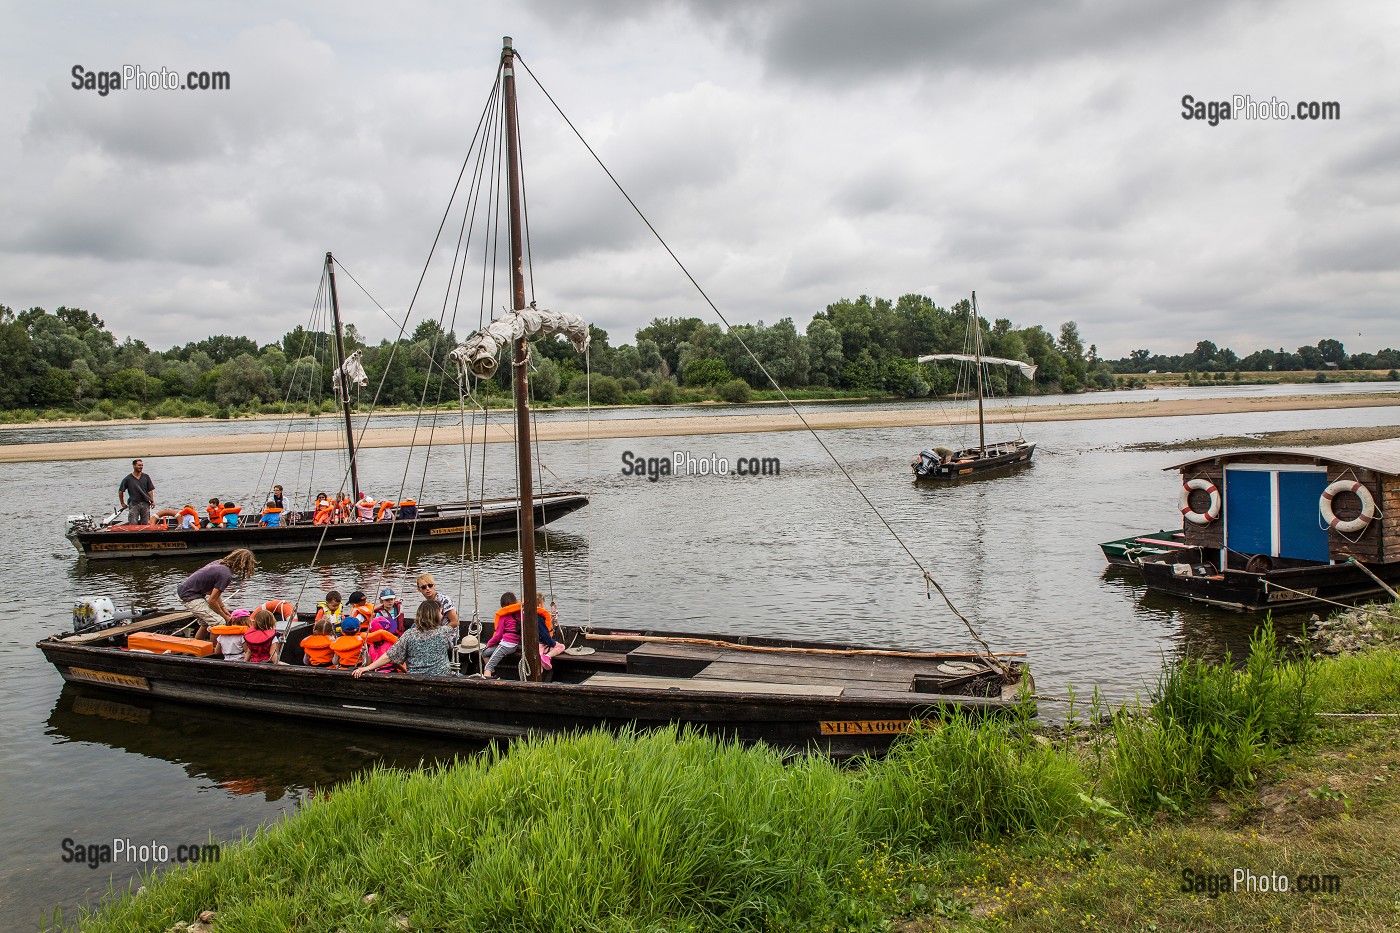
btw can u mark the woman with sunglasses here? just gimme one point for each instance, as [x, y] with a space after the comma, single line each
[428, 588]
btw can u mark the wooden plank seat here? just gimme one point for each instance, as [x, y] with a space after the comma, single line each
[798, 674]
[641, 682]
[90, 638]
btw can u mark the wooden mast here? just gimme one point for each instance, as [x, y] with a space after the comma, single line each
[344, 382]
[529, 637]
[977, 353]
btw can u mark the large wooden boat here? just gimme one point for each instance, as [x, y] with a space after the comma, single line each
[838, 699]
[443, 522]
[1290, 528]
[941, 463]
[420, 524]
[799, 696]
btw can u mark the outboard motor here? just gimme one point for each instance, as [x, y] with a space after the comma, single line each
[927, 462]
[94, 613]
[78, 523]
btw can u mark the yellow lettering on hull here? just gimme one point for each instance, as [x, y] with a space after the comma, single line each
[864, 727]
[456, 530]
[140, 546]
[108, 679]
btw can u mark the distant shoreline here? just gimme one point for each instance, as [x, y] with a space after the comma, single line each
[934, 418]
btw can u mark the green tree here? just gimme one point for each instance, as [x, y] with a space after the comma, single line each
[239, 381]
[707, 372]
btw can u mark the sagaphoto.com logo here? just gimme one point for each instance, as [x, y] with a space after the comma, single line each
[134, 77]
[686, 463]
[1244, 107]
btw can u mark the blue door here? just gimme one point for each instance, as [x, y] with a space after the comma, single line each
[1301, 532]
[1249, 511]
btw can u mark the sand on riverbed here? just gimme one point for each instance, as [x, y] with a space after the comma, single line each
[770, 420]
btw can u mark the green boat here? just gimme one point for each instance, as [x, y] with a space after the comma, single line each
[1126, 552]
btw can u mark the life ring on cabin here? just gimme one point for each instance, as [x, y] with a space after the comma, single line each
[281, 609]
[1212, 511]
[167, 513]
[1368, 506]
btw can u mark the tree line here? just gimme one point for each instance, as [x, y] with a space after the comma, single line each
[67, 362]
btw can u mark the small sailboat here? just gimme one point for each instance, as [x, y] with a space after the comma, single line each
[942, 463]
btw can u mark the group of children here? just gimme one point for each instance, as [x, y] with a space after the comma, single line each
[349, 635]
[248, 636]
[356, 633]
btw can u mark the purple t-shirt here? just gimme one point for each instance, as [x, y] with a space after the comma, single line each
[205, 580]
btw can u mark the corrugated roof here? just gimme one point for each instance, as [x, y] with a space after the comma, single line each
[1381, 456]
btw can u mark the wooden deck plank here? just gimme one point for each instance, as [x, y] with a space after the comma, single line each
[863, 667]
[710, 686]
[778, 673]
[89, 638]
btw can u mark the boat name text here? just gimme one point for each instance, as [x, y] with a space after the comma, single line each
[864, 727]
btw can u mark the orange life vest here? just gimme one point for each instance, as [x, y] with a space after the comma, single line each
[516, 607]
[216, 514]
[384, 506]
[322, 515]
[187, 510]
[318, 650]
[365, 509]
[349, 650]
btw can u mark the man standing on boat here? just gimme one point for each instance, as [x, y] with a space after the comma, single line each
[141, 490]
[202, 591]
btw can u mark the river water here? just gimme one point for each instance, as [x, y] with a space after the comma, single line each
[796, 554]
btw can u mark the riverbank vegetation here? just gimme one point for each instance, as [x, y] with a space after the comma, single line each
[67, 365]
[1003, 825]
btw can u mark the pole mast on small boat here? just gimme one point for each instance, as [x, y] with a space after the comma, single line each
[343, 381]
[529, 637]
[977, 353]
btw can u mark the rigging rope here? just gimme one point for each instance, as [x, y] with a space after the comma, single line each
[930, 583]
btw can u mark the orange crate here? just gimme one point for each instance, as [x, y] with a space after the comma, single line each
[161, 644]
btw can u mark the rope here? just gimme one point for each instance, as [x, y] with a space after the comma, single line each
[930, 583]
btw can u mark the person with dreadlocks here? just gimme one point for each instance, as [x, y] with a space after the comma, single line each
[202, 591]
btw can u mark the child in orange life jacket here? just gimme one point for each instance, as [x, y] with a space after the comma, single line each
[316, 647]
[229, 637]
[330, 610]
[323, 511]
[215, 511]
[261, 637]
[379, 639]
[360, 608]
[349, 648]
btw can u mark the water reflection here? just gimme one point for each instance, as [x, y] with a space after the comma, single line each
[224, 749]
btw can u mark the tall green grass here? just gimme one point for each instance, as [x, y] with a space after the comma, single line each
[671, 830]
[1211, 727]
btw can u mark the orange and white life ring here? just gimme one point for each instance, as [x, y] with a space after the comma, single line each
[1368, 506]
[1212, 511]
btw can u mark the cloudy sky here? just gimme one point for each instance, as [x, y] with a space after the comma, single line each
[792, 153]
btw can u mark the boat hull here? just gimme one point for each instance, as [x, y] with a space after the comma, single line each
[972, 463]
[441, 523]
[1307, 588]
[475, 710]
[1132, 550]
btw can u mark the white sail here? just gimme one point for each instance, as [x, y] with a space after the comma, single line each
[478, 353]
[352, 372]
[1027, 369]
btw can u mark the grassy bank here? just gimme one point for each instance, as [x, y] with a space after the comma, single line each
[1002, 826]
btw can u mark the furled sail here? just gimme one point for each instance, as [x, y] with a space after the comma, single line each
[352, 372]
[478, 353]
[1027, 369]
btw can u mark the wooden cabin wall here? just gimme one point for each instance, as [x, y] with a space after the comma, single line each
[1367, 544]
[1388, 504]
[1212, 534]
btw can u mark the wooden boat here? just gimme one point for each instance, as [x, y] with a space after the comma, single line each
[799, 696]
[444, 522]
[838, 699]
[1289, 528]
[940, 463]
[436, 523]
[1126, 552]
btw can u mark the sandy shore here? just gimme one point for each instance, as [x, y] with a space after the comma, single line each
[771, 420]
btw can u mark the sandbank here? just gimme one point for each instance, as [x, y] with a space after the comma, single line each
[758, 422]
